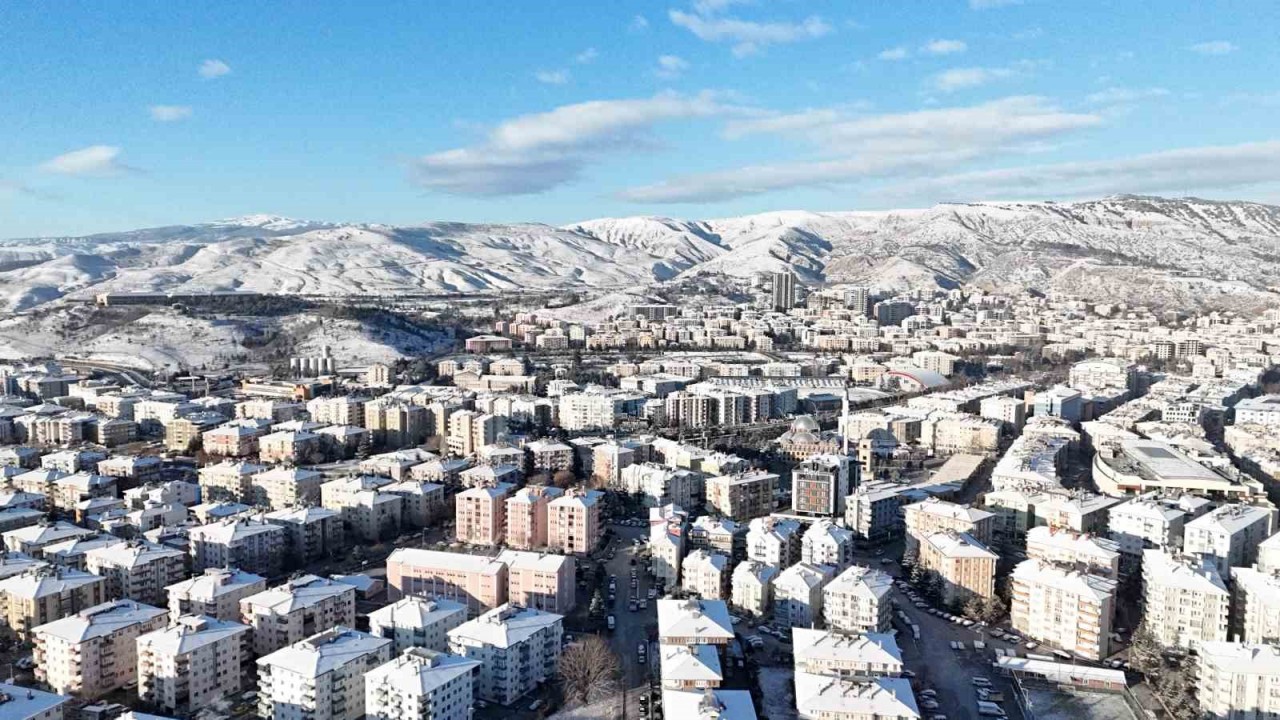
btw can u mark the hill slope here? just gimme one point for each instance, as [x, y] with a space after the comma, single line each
[1168, 251]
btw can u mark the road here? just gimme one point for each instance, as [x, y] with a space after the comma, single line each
[949, 671]
[632, 627]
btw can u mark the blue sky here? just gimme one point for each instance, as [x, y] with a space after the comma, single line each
[123, 115]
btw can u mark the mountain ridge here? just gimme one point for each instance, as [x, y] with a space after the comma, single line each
[1226, 250]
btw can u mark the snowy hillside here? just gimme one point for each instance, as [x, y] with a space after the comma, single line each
[1188, 250]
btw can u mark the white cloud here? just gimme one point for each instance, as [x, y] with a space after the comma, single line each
[671, 67]
[854, 148]
[552, 77]
[210, 69]
[1180, 171]
[748, 36]
[534, 153]
[968, 77]
[1214, 47]
[586, 56]
[945, 47]
[711, 7]
[1124, 96]
[894, 53]
[991, 4]
[638, 24]
[169, 113]
[95, 160]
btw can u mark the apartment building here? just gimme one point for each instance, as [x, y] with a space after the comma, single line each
[138, 570]
[742, 496]
[476, 582]
[23, 703]
[42, 594]
[227, 480]
[690, 667]
[31, 540]
[394, 424]
[1255, 606]
[94, 651]
[281, 488]
[774, 541]
[966, 566]
[706, 574]
[518, 648]
[573, 521]
[667, 543]
[215, 593]
[227, 441]
[542, 581]
[421, 684]
[1081, 550]
[252, 545]
[297, 610]
[421, 503]
[340, 410]
[469, 431]
[481, 514]
[1147, 521]
[753, 587]
[857, 601]
[191, 664]
[1185, 601]
[820, 484]
[320, 677]
[932, 516]
[1063, 607]
[417, 622]
[1230, 535]
[1238, 681]
[693, 621]
[527, 516]
[861, 656]
[826, 543]
[797, 594]
[311, 533]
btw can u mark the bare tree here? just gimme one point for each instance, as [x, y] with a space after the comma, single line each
[589, 670]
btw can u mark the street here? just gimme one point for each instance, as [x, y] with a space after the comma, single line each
[633, 628]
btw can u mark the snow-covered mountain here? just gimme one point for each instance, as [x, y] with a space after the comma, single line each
[1148, 249]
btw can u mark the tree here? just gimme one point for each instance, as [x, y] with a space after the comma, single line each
[1144, 650]
[589, 670]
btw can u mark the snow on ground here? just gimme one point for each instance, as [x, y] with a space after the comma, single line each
[778, 694]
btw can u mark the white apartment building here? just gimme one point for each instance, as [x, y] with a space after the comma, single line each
[860, 656]
[586, 411]
[94, 651]
[1255, 606]
[706, 574]
[1264, 411]
[1145, 522]
[216, 593]
[774, 541]
[692, 621]
[192, 663]
[1081, 550]
[666, 544]
[136, 570]
[660, 485]
[321, 677]
[23, 703]
[1230, 534]
[1065, 608]
[297, 610]
[826, 543]
[797, 594]
[857, 601]
[1185, 601]
[1269, 555]
[418, 622]
[251, 545]
[1239, 681]
[518, 649]
[421, 684]
[281, 488]
[932, 516]
[753, 587]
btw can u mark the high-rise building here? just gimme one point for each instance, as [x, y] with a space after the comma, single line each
[1067, 608]
[784, 291]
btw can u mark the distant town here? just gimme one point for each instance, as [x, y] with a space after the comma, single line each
[817, 502]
